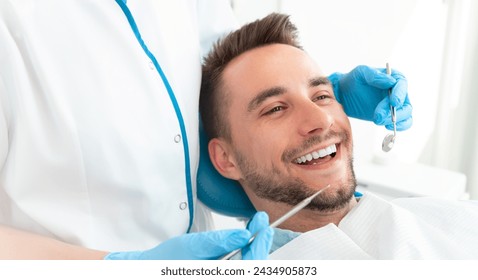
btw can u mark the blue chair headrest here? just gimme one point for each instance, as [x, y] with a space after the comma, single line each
[222, 195]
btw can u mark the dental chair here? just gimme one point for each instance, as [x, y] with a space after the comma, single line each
[223, 196]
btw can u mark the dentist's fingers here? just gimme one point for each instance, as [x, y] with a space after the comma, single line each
[380, 79]
[260, 247]
[402, 125]
[375, 77]
[400, 90]
[383, 115]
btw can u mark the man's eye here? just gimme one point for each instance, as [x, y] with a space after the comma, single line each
[274, 110]
[322, 99]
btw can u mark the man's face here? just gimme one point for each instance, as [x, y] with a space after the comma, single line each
[290, 137]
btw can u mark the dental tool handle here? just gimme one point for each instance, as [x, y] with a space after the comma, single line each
[296, 209]
[394, 120]
[279, 221]
[392, 108]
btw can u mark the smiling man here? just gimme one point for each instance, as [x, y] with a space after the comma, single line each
[289, 137]
[276, 127]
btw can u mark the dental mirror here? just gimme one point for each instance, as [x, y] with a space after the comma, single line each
[389, 140]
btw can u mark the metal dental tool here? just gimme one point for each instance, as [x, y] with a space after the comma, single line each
[279, 221]
[389, 140]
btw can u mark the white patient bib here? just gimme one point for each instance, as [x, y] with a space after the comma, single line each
[407, 228]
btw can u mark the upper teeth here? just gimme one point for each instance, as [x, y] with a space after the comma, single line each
[317, 154]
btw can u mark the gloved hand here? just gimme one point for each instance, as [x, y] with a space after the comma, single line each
[363, 93]
[259, 249]
[205, 245]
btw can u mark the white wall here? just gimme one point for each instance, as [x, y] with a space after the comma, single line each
[456, 132]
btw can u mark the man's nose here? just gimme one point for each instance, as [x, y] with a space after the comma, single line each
[313, 119]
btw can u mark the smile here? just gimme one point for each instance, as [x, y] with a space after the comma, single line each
[319, 154]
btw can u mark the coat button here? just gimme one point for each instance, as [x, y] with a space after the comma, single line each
[177, 138]
[183, 205]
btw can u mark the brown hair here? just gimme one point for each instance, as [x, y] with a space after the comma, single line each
[273, 29]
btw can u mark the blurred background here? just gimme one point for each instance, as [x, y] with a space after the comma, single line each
[434, 44]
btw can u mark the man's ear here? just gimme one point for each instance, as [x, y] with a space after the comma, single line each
[222, 159]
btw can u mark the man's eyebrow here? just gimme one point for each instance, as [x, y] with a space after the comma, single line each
[317, 81]
[263, 95]
[276, 91]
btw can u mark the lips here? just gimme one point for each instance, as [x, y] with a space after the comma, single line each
[317, 156]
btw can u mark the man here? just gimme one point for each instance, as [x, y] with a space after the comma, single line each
[277, 128]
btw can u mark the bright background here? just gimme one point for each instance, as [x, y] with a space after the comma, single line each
[434, 43]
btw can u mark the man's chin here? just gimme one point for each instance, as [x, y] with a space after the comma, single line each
[339, 194]
[271, 186]
[333, 199]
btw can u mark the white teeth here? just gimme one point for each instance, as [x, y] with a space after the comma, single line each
[334, 149]
[329, 150]
[317, 154]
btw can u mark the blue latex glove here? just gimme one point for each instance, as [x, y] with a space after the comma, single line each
[363, 93]
[204, 245]
[261, 246]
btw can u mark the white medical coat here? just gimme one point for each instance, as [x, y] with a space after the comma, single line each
[405, 228]
[91, 147]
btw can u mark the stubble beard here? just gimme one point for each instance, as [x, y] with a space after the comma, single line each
[274, 186]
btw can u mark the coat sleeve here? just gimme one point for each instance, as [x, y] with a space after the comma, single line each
[5, 38]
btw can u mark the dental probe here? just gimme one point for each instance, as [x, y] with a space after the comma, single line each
[279, 221]
[389, 140]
